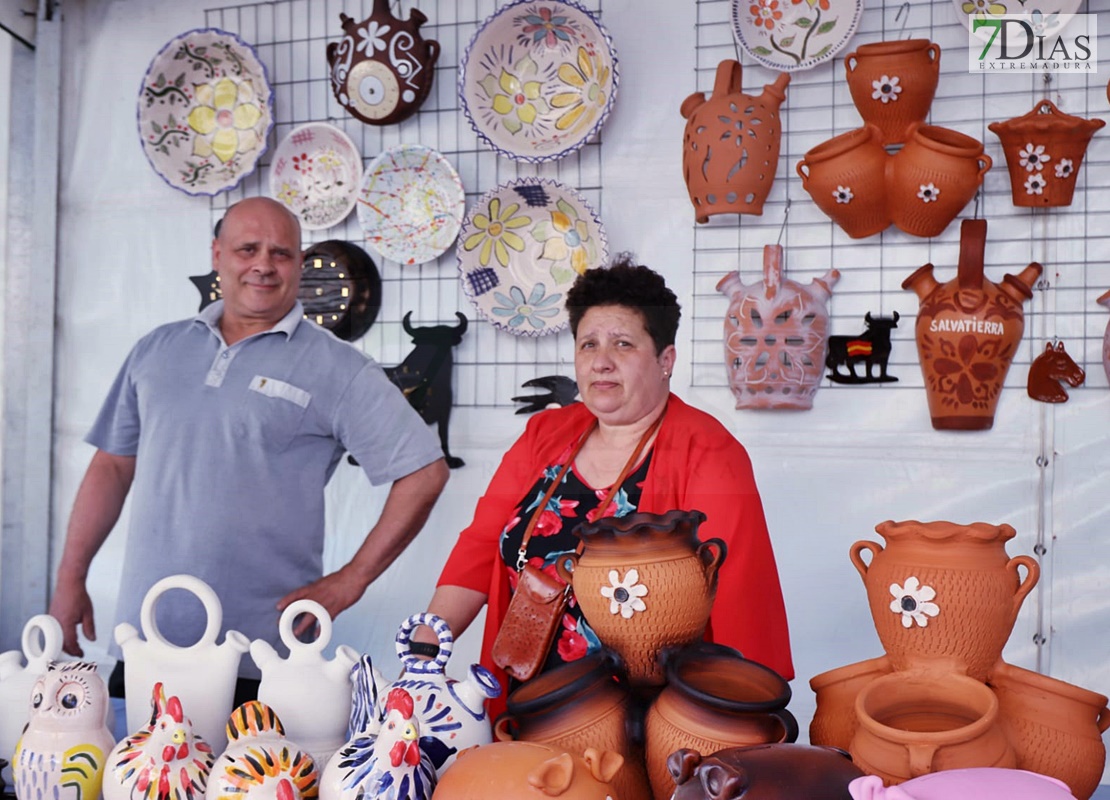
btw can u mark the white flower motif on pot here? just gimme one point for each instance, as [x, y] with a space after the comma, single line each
[843, 194]
[625, 593]
[886, 88]
[914, 602]
[1035, 183]
[1064, 168]
[1033, 157]
[928, 193]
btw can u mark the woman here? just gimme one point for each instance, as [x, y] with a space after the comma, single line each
[624, 321]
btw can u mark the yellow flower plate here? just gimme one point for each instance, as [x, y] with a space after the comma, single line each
[205, 111]
[538, 79]
[521, 247]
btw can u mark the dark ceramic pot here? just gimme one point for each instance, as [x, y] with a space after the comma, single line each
[763, 772]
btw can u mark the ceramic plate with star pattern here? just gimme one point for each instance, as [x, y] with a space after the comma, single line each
[520, 249]
[794, 35]
[205, 111]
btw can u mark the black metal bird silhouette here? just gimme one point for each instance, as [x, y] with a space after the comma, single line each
[561, 391]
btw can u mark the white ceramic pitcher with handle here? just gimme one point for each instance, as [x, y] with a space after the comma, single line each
[42, 643]
[202, 675]
[310, 693]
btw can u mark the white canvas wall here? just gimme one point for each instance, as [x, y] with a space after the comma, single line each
[128, 244]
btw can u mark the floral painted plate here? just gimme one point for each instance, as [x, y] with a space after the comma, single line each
[1047, 17]
[205, 111]
[411, 204]
[520, 249]
[794, 34]
[316, 173]
[538, 79]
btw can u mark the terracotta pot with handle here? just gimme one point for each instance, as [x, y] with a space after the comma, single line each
[846, 177]
[893, 83]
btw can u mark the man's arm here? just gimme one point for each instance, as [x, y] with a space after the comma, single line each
[407, 507]
[95, 511]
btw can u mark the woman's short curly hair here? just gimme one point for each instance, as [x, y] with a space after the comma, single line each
[625, 283]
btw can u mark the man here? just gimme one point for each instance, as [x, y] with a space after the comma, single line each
[224, 429]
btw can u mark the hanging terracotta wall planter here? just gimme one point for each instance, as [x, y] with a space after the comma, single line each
[730, 149]
[967, 332]
[776, 336]
[846, 177]
[893, 84]
[1044, 150]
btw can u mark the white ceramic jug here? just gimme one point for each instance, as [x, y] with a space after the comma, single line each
[202, 675]
[311, 694]
[42, 643]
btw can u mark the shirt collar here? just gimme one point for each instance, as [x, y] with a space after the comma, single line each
[210, 315]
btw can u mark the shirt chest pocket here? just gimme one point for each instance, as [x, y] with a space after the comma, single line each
[274, 413]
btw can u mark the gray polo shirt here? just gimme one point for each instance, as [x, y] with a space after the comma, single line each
[233, 448]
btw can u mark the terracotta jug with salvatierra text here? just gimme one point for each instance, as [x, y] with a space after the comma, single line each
[967, 332]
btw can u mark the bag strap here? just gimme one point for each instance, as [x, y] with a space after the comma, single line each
[613, 489]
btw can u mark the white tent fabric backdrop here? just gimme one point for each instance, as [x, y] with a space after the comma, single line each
[128, 244]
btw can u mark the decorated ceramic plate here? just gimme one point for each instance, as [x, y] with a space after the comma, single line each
[1048, 17]
[411, 204]
[316, 172]
[205, 111]
[794, 34]
[538, 79]
[520, 249]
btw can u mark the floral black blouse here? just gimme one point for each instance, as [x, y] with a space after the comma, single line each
[572, 503]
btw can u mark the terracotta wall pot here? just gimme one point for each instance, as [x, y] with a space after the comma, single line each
[730, 150]
[1055, 727]
[585, 703]
[1105, 302]
[932, 178]
[967, 332]
[662, 553]
[776, 335]
[846, 177]
[834, 721]
[714, 698]
[944, 593]
[893, 83]
[1044, 150]
[918, 722]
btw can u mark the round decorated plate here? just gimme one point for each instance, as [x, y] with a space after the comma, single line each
[205, 111]
[538, 79]
[520, 249]
[1047, 17]
[794, 34]
[410, 204]
[316, 172]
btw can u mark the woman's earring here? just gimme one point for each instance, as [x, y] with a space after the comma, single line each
[666, 374]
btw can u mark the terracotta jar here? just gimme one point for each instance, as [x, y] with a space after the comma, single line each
[660, 553]
[521, 770]
[932, 178]
[1044, 149]
[585, 703]
[834, 721]
[730, 150]
[1104, 301]
[714, 698]
[967, 332]
[846, 177]
[917, 722]
[776, 335]
[893, 83]
[944, 593]
[1055, 727]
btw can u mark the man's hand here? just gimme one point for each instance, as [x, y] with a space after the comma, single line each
[335, 592]
[72, 606]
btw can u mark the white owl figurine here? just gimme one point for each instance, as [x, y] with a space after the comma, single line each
[259, 762]
[62, 753]
[163, 759]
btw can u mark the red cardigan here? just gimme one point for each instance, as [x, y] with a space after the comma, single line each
[696, 464]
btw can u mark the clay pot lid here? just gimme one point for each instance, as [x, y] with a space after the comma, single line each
[643, 524]
[720, 676]
[567, 682]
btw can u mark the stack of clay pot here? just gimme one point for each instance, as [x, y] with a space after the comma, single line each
[944, 598]
[895, 169]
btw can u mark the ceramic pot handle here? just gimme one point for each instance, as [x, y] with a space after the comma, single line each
[565, 566]
[205, 593]
[49, 647]
[850, 62]
[921, 758]
[505, 728]
[789, 724]
[1032, 575]
[1103, 719]
[934, 55]
[295, 609]
[803, 175]
[446, 643]
[431, 47]
[728, 78]
[710, 560]
[855, 553]
[987, 162]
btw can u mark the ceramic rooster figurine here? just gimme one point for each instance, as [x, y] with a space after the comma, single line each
[387, 765]
[260, 763]
[164, 760]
